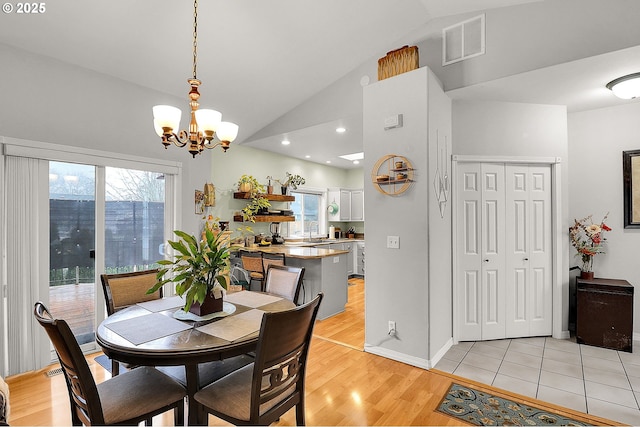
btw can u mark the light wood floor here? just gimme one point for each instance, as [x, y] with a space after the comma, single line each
[345, 386]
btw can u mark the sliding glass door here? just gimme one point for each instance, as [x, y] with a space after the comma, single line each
[72, 237]
[134, 220]
[127, 209]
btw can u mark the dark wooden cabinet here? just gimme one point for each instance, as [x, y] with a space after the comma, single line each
[604, 315]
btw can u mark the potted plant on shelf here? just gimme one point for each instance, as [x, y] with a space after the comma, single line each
[197, 270]
[588, 239]
[292, 180]
[258, 203]
[248, 184]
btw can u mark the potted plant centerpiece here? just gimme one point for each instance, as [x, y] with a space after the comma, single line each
[588, 239]
[197, 270]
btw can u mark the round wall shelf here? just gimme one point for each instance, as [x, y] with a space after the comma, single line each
[392, 175]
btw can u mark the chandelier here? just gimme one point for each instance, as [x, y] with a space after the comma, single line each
[204, 124]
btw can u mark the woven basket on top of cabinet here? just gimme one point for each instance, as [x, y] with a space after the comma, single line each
[397, 62]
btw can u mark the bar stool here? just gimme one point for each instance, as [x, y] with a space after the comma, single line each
[252, 262]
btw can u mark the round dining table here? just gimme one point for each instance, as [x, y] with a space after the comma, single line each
[155, 334]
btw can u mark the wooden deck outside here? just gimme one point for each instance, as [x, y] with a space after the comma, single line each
[76, 305]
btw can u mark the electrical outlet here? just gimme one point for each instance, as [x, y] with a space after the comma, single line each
[393, 242]
[392, 327]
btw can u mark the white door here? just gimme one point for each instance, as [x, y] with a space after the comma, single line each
[528, 225]
[481, 249]
[503, 251]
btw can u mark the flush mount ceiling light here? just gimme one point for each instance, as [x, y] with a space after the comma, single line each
[626, 87]
[341, 129]
[204, 124]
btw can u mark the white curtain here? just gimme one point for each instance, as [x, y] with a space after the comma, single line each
[27, 261]
[4, 359]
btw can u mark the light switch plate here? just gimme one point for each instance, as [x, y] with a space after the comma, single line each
[393, 242]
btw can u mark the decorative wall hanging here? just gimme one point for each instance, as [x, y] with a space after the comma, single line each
[392, 174]
[198, 198]
[209, 195]
[441, 178]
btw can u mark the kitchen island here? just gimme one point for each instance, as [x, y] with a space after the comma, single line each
[325, 271]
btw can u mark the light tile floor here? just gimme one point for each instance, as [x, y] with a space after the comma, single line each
[590, 379]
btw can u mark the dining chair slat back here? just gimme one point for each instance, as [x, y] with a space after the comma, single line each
[126, 289]
[284, 281]
[265, 390]
[127, 399]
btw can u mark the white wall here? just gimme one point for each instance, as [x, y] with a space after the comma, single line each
[50, 101]
[401, 282]
[519, 130]
[597, 139]
[228, 167]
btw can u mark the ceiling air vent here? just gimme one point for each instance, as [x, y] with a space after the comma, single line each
[463, 40]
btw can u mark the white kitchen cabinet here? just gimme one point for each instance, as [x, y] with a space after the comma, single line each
[359, 259]
[357, 205]
[350, 204]
[345, 205]
[349, 246]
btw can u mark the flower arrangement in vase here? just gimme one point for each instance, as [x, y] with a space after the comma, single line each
[588, 239]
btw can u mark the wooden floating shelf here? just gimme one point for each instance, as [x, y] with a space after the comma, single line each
[272, 197]
[268, 218]
[393, 181]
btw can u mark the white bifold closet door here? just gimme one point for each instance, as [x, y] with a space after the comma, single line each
[503, 251]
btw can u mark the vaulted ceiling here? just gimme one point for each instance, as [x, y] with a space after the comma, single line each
[258, 60]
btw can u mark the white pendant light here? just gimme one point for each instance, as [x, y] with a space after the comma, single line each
[626, 87]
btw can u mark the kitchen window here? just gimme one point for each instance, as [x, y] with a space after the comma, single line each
[309, 213]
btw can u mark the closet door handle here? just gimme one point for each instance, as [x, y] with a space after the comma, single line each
[526, 259]
[486, 260]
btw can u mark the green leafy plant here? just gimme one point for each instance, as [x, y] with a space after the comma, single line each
[254, 186]
[253, 207]
[197, 267]
[292, 180]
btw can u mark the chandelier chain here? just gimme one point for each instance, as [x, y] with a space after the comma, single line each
[195, 38]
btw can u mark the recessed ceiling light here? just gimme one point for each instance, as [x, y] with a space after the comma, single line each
[328, 161]
[307, 156]
[353, 156]
[286, 142]
[340, 129]
[356, 162]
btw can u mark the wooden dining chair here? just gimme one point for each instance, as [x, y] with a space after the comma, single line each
[123, 290]
[252, 262]
[284, 281]
[132, 397]
[126, 289]
[260, 393]
[269, 259]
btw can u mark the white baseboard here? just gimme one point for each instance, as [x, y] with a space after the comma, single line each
[440, 354]
[409, 360]
[564, 335]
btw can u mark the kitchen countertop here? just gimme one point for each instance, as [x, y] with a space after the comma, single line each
[302, 252]
[301, 243]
